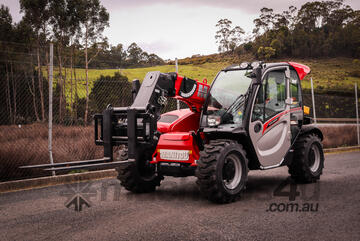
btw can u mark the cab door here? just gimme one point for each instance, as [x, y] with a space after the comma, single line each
[269, 126]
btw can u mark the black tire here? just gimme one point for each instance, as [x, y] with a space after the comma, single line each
[308, 161]
[136, 177]
[213, 165]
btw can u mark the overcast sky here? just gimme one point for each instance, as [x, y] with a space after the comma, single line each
[177, 28]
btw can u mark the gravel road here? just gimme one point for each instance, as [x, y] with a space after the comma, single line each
[327, 210]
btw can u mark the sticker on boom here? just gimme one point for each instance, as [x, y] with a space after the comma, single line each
[178, 155]
[190, 93]
[273, 121]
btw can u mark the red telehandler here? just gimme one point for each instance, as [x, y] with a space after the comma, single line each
[251, 117]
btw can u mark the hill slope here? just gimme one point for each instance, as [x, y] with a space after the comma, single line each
[333, 74]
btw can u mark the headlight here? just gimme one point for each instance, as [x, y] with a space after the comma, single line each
[213, 120]
[122, 121]
[147, 129]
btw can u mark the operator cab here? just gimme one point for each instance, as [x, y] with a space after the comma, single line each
[261, 101]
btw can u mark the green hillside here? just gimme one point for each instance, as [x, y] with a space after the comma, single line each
[336, 74]
[332, 74]
[208, 71]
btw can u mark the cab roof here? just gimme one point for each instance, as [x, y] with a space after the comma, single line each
[301, 69]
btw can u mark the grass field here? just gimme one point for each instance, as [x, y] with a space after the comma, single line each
[332, 74]
[328, 74]
[208, 71]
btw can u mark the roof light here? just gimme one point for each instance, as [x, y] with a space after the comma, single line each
[244, 65]
[255, 64]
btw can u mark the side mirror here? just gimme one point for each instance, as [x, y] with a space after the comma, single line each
[288, 101]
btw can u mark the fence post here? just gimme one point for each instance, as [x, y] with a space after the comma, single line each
[51, 104]
[357, 114]
[177, 71]
[313, 99]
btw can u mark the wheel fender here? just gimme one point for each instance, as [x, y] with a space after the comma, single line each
[306, 129]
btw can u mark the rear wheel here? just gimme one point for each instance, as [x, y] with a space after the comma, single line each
[222, 171]
[138, 177]
[308, 161]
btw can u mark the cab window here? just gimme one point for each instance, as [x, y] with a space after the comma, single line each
[270, 99]
[295, 89]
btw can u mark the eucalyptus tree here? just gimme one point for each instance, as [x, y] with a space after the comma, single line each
[65, 24]
[6, 30]
[37, 15]
[265, 21]
[93, 18]
[228, 37]
[134, 54]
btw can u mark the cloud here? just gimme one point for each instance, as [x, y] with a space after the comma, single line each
[157, 47]
[252, 7]
[14, 7]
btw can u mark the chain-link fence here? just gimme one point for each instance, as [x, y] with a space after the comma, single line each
[336, 117]
[77, 95]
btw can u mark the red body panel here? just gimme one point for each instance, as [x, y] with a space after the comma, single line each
[177, 135]
[177, 141]
[187, 121]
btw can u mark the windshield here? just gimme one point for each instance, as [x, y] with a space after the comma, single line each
[227, 95]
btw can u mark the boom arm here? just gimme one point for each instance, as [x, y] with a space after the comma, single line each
[158, 86]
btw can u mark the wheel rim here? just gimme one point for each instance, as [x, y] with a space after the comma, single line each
[314, 158]
[232, 171]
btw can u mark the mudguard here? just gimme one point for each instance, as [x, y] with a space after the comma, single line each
[312, 128]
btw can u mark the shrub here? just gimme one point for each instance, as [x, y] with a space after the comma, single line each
[266, 52]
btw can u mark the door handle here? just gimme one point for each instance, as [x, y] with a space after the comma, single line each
[257, 127]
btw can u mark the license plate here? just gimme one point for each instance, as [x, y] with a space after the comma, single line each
[178, 155]
[170, 164]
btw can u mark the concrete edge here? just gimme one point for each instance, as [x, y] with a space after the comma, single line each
[41, 182]
[341, 149]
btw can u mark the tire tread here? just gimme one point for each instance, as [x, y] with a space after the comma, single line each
[298, 169]
[129, 177]
[207, 167]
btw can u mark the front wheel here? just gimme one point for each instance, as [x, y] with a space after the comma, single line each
[138, 177]
[222, 171]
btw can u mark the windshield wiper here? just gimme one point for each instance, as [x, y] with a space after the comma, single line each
[236, 103]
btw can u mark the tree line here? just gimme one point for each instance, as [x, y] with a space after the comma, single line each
[76, 28]
[317, 29]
